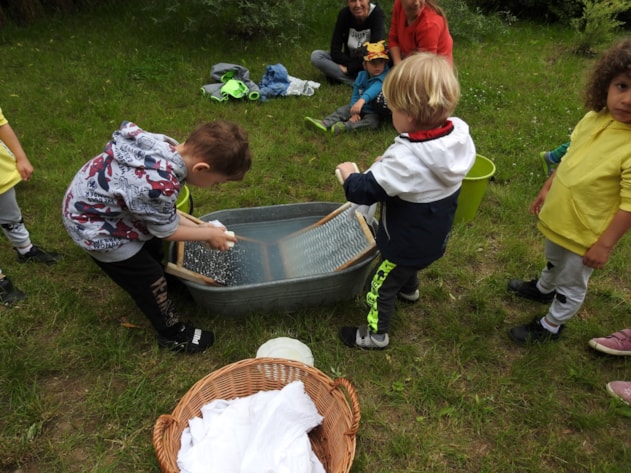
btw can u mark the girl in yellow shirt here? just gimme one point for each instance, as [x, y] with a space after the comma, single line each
[584, 207]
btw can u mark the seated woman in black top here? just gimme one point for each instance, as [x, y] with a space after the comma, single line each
[359, 22]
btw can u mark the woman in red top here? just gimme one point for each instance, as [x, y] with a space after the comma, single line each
[418, 25]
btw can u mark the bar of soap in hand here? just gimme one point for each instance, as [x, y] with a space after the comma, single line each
[338, 174]
[230, 243]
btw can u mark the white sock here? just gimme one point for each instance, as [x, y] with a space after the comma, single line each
[545, 324]
[24, 250]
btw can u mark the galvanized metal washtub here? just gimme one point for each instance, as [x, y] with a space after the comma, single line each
[285, 295]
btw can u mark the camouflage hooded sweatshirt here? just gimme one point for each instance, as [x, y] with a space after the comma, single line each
[126, 195]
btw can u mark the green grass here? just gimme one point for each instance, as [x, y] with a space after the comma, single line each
[80, 392]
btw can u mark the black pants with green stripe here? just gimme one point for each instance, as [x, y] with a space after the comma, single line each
[387, 281]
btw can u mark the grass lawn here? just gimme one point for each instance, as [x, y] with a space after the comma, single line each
[82, 381]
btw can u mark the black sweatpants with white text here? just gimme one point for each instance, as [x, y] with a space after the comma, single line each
[142, 277]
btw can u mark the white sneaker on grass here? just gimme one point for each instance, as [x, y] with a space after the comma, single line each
[362, 337]
[411, 297]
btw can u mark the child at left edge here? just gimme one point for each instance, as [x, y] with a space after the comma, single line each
[15, 167]
[121, 205]
[359, 113]
[417, 181]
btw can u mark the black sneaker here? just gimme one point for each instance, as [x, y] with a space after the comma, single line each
[528, 289]
[533, 332]
[9, 294]
[37, 255]
[188, 339]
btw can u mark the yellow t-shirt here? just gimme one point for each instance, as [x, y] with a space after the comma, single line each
[9, 175]
[591, 184]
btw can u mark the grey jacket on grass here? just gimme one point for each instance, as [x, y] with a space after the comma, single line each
[222, 73]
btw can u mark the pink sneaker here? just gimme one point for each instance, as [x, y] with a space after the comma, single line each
[620, 390]
[618, 343]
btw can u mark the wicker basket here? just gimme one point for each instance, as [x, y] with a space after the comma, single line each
[333, 441]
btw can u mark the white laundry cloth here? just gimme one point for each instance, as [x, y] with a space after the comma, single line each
[301, 86]
[262, 433]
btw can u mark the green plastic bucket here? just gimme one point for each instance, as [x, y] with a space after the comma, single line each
[184, 201]
[473, 189]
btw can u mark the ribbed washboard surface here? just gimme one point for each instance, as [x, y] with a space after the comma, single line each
[246, 263]
[326, 247]
[335, 242]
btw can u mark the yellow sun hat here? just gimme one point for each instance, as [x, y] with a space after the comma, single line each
[375, 51]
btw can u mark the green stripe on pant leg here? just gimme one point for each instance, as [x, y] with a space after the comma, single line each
[372, 296]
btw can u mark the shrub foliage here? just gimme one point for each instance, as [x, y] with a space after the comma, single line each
[543, 10]
[598, 23]
[25, 11]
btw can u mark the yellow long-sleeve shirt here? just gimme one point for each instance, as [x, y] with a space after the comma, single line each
[591, 184]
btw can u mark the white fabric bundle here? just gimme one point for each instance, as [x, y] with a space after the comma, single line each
[262, 433]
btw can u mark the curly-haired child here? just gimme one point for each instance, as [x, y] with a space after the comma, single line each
[15, 167]
[584, 208]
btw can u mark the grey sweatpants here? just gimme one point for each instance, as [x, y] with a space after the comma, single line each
[11, 220]
[369, 120]
[323, 61]
[565, 273]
